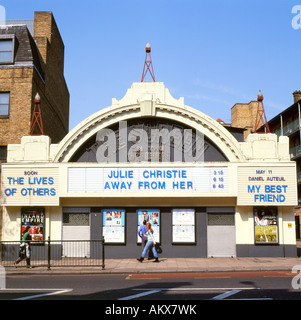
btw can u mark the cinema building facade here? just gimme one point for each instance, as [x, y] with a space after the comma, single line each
[151, 157]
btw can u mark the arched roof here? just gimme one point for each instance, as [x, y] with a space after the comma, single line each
[148, 99]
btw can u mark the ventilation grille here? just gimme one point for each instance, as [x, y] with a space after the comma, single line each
[221, 219]
[75, 219]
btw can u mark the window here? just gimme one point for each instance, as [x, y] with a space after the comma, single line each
[3, 153]
[6, 50]
[4, 104]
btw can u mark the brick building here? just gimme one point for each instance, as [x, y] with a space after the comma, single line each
[243, 115]
[31, 62]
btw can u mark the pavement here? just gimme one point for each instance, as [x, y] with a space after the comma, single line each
[173, 265]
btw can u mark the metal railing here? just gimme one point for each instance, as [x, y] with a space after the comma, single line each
[291, 127]
[294, 151]
[56, 253]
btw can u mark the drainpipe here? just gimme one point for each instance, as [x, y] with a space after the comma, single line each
[281, 124]
[299, 121]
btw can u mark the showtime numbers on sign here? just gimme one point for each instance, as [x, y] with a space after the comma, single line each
[218, 180]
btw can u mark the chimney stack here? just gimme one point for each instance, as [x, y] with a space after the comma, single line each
[297, 96]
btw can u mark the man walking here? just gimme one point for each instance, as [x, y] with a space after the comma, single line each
[25, 248]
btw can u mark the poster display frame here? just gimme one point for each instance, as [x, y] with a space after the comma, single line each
[112, 222]
[182, 225]
[37, 238]
[264, 228]
[155, 226]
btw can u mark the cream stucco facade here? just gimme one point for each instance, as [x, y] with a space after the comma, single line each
[256, 173]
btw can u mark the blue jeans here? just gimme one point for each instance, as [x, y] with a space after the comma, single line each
[147, 246]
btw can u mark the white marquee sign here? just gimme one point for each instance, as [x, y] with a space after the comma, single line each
[267, 186]
[29, 186]
[176, 179]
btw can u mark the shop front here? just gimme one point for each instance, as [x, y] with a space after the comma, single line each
[149, 157]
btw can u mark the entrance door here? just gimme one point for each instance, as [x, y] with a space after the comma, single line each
[76, 234]
[221, 235]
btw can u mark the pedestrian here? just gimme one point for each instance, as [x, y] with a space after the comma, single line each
[25, 249]
[143, 235]
[150, 243]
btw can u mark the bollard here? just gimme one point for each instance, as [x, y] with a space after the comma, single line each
[49, 253]
[2, 278]
[103, 252]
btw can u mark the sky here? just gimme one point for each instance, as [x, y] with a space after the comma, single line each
[214, 53]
